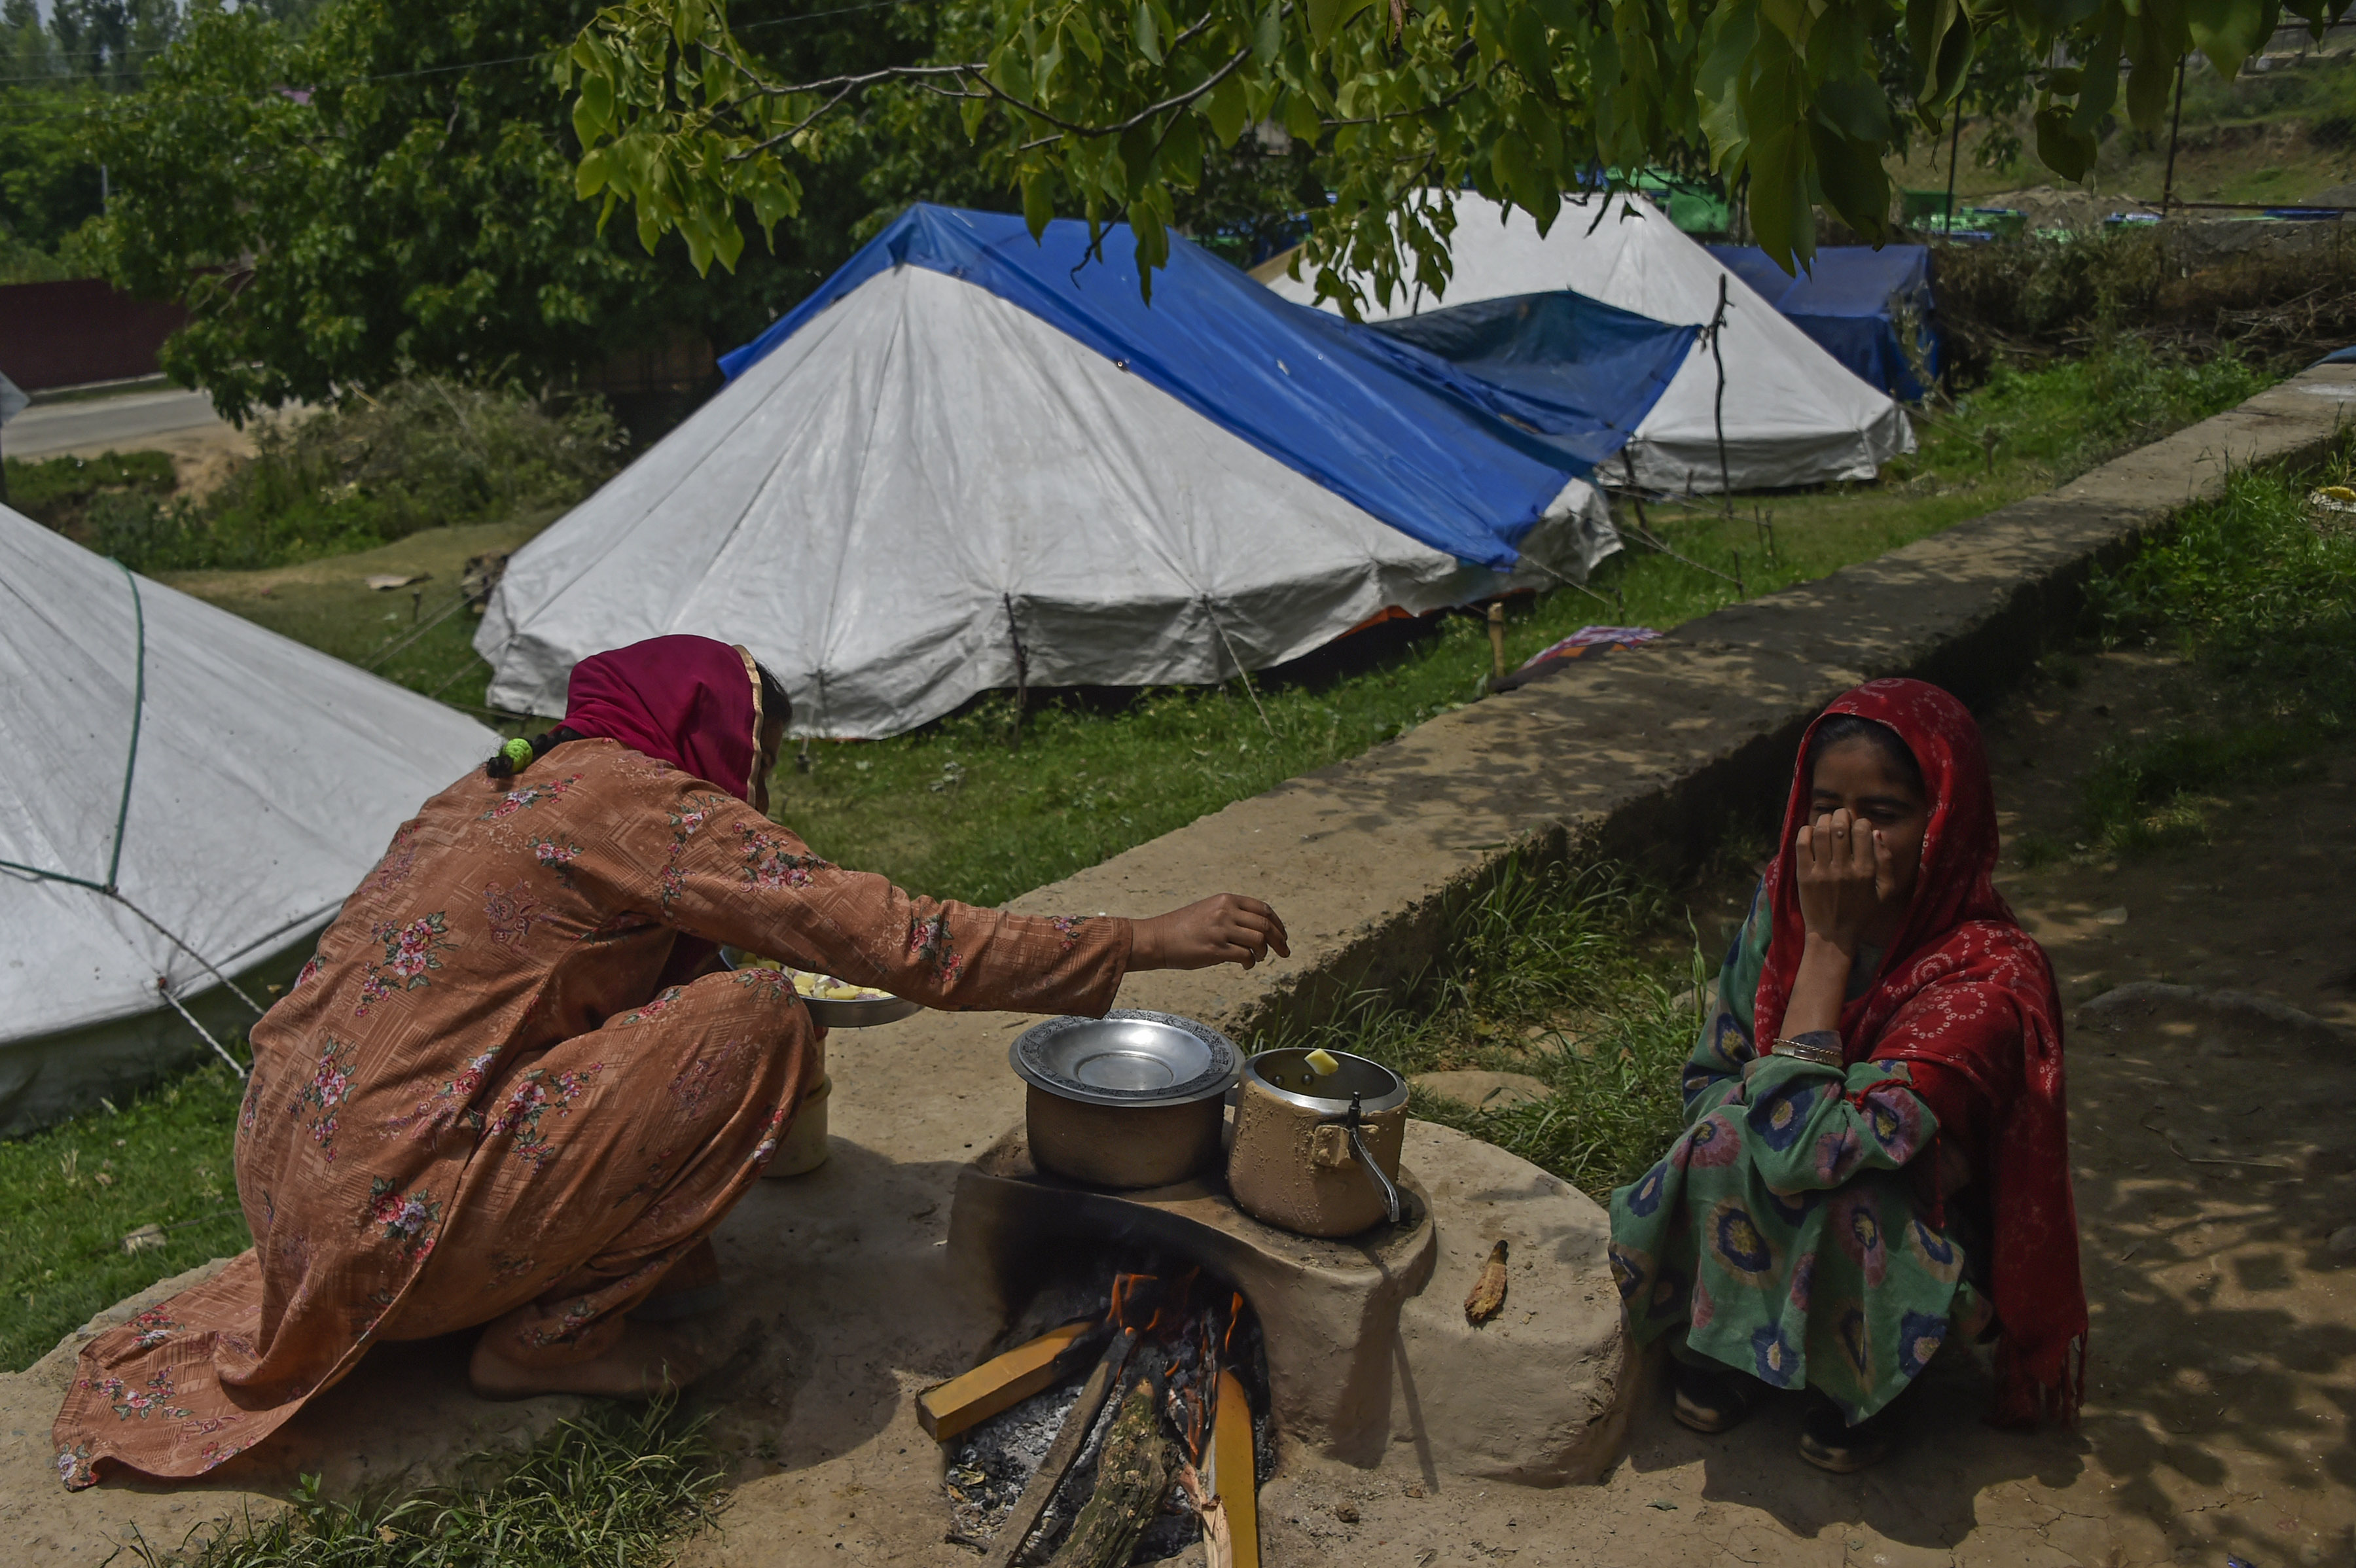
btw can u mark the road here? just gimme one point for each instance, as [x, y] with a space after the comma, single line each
[125, 424]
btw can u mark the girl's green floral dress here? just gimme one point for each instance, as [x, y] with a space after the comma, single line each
[1780, 1234]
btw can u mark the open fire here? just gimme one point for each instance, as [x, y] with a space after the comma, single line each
[1141, 1439]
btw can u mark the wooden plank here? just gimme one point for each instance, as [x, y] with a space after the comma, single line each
[1235, 1470]
[1007, 1545]
[1000, 1383]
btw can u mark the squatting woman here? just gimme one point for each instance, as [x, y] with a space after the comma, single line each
[514, 1091]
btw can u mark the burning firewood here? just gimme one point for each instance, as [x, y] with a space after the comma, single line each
[1132, 1478]
[1218, 1538]
[1488, 1298]
[1016, 1531]
[999, 1383]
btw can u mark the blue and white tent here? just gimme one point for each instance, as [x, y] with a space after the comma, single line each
[973, 458]
[1869, 309]
[1791, 414]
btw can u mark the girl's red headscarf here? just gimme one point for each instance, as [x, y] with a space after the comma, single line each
[1965, 988]
[689, 701]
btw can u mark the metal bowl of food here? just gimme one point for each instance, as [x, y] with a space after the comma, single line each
[1133, 1099]
[833, 1004]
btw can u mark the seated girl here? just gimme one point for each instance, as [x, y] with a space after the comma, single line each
[1875, 1154]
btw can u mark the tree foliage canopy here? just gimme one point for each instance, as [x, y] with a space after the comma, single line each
[1109, 109]
[384, 189]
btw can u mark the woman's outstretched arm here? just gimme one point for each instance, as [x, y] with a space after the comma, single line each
[716, 868]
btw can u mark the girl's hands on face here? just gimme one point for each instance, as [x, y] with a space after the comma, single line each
[1847, 872]
[1229, 928]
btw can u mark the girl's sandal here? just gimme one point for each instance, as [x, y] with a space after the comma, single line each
[1829, 1442]
[1708, 1399]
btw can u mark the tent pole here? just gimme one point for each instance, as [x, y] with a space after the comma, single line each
[1241, 673]
[2175, 124]
[1954, 149]
[1021, 672]
[1717, 327]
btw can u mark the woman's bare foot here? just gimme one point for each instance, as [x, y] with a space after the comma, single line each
[646, 1362]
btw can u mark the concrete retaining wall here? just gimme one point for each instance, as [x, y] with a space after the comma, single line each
[1642, 758]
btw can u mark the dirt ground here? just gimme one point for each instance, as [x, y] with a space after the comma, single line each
[2223, 1351]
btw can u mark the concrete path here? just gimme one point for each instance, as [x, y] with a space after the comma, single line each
[1644, 757]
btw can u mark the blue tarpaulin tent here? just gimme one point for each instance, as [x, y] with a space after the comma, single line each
[1560, 350]
[1411, 438]
[1864, 305]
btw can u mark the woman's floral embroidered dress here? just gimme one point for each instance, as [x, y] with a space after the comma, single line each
[499, 1095]
[1778, 1233]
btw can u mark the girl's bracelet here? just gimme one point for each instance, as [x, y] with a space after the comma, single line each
[1821, 1046]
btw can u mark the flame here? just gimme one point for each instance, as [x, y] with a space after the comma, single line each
[1168, 1310]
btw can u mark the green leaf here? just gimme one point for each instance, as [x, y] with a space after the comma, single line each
[1038, 203]
[1526, 45]
[1517, 167]
[1301, 118]
[1226, 107]
[1856, 187]
[2062, 146]
[1855, 106]
[1145, 31]
[1268, 36]
[1327, 18]
[2230, 31]
[593, 111]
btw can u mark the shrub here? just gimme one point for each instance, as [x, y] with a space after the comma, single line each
[426, 452]
[58, 491]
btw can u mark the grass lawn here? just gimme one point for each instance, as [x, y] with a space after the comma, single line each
[329, 604]
[72, 1193]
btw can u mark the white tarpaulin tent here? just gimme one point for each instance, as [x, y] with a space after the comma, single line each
[267, 779]
[973, 457]
[1793, 415]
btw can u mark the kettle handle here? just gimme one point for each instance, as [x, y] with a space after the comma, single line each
[1374, 1169]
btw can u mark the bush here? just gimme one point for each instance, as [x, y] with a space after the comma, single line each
[58, 491]
[2075, 294]
[427, 453]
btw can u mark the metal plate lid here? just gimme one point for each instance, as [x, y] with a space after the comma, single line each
[1129, 1057]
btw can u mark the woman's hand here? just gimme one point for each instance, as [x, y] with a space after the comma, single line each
[1846, 873]
[1229, 928]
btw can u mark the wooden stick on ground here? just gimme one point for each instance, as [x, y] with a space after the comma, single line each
[1011, 1535]
[1132, 1478]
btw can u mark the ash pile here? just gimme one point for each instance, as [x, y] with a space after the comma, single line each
[1139, 1428]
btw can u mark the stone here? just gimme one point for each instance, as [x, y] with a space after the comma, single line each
[2342, 1242]
[1541, 1396]
[1484, 1090]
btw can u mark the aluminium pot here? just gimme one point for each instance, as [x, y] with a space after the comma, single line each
[1134, 1098]
[1318, 1154]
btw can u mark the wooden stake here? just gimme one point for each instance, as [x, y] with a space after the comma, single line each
[1024, 1519]
[1497, 640]
[1235, 1470]
[999, 1383]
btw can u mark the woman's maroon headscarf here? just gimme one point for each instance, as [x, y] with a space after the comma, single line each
[689, 701]
[1964, 989]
